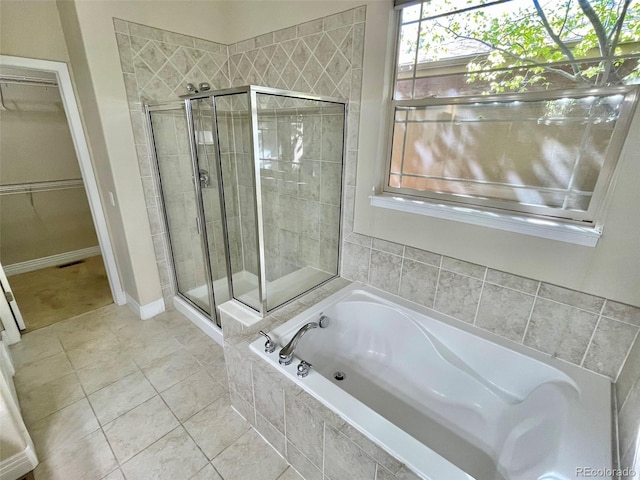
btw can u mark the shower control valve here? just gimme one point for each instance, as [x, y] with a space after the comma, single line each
[303, 368]
[269, 345]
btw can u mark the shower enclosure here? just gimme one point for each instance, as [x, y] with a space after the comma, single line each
[250, 182]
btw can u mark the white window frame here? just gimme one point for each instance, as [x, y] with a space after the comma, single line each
[530, 220]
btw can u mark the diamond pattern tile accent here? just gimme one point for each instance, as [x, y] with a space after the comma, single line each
[312, 40]
[138, 43]
[325, 50]
[170, 76]
[167, 48]
[152, 56]
[339, 34]
[143, 73]
[183, 60]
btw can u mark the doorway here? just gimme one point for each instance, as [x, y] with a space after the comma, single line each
[54, 245]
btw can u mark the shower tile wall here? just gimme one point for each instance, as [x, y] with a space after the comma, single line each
[203, 118]
[156, 65]
[301, 184]
[628, 396]
[235, 146]
[176, 174]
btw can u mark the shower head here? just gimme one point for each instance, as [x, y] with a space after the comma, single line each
[204, 86]
[191, 88]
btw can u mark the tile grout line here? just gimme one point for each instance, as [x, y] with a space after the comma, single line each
[401, 272]
[435, 294]
[535, 300]
[593, 334]
[324, 445]
[484, 278]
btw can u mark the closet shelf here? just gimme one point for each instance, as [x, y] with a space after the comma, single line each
[16, 188]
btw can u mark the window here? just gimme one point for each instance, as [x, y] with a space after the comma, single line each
[519, 105]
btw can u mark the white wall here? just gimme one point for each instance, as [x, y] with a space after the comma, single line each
[36, 146]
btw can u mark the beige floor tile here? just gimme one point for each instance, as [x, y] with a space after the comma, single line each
[170, 369]
[192, 394]
[42, 371]
[119, 317]
[149, 328]
[95, 351]
[74, 332]
[63, 427]
[188, 334]
[115, 475]
[173, 457]
[249, 458]
[207, 473]
[134, 431]
[99, 375]
[35, 346]
[147, 350]
[173, 320]
[206, 351]
[290, 474]
[88, 458]
[121, 396]
[216, 427]
[42, 401]
[218, 370]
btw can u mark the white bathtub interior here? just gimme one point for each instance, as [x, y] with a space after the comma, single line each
[422, 385]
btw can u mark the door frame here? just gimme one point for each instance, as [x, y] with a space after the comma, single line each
[74, 121]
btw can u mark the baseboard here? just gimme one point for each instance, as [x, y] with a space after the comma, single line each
[19, 464]
[148, 310]
[51, 261]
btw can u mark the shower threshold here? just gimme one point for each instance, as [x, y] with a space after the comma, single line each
[279, 291]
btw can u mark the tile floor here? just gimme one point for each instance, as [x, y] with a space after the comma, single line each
[108, 396]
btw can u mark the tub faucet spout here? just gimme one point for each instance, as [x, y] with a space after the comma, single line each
[286, 354]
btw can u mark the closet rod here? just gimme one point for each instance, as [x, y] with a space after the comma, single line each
[39, 82]
[35, 187]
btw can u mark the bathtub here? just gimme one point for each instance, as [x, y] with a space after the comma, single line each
[448, 403]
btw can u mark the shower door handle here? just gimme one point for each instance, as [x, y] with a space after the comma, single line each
[198, 229]
[204, 177]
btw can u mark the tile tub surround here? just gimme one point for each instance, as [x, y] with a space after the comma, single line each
[323, 56]
[592, 332]
[316, 442]
[628, 404]
[106, 396]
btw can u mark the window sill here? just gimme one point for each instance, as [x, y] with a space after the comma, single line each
[585, 236]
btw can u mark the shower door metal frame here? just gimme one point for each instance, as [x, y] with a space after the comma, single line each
[251, 91]
[179, 106]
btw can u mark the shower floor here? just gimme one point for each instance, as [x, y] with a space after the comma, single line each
[246, 286]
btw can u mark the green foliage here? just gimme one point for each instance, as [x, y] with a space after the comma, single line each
[522, 44]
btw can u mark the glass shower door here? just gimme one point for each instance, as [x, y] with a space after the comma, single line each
[180, 193]
[206, 146]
